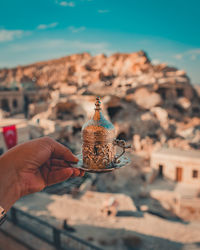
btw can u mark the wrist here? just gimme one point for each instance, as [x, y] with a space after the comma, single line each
[9, 190]
[3, 215]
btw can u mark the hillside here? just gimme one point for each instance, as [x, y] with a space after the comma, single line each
[117, 72]
[134, 91]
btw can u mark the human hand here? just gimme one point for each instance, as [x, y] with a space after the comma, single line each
[30, 167]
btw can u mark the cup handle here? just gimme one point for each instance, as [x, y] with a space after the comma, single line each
[121, 144]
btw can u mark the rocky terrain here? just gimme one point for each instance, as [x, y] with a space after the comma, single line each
[133, 91]
[150, 105]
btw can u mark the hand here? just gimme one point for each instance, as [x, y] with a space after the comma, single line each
[32, 166]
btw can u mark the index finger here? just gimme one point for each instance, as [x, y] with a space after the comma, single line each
[59, 151]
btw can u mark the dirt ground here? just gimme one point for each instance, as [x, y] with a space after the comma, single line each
[129, 229]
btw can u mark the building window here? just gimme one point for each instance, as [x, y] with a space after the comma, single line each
[179, 174]
[195, 174]
[15, 103]
[179, 92]
[5, 105]
[160, 170]
[195, 109]
[162, 92]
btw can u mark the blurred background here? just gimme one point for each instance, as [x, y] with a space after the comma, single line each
[143, 59]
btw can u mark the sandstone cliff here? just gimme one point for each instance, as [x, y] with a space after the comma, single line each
[154, 104]
[118, 74]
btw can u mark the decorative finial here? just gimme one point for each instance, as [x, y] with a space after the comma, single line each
[98, 103]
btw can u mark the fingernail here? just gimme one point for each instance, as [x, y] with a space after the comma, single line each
[82, 173]
[76, 172]
[75, 158]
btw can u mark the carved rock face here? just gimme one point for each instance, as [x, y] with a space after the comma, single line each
[98, 135]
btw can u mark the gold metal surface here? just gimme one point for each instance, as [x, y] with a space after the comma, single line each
[98, 136]
[124, 160]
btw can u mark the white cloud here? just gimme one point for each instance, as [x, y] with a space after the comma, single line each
[66, 4]
[9, 35]
[46, 26]
[156, 61]
[46, 49]
[69, 46]
[94, 48]
[189, 54]
[193, 53]
[103, 11]
[33, 51]
[76, 29]
[178, 56]
[193, 57]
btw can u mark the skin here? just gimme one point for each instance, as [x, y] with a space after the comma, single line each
[30, 167]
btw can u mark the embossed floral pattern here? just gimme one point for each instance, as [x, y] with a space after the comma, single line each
[97, 155]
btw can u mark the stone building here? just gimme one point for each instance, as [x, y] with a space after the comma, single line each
[177, 165]
[12, 101]
[17, 100]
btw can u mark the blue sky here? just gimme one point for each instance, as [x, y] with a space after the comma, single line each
[35, 30]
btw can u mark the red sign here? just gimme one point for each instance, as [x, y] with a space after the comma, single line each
[10, 136]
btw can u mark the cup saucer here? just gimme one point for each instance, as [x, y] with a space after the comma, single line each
[122, 162]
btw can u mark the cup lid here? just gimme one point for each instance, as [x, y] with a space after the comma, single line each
[98, 128]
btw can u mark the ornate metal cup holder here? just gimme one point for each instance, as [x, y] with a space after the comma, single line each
[122, 162]
[98, 147]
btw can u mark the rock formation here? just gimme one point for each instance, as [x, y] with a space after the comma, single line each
[153, 104]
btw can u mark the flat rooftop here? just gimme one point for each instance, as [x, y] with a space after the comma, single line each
[9, 121]
[178, 153]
